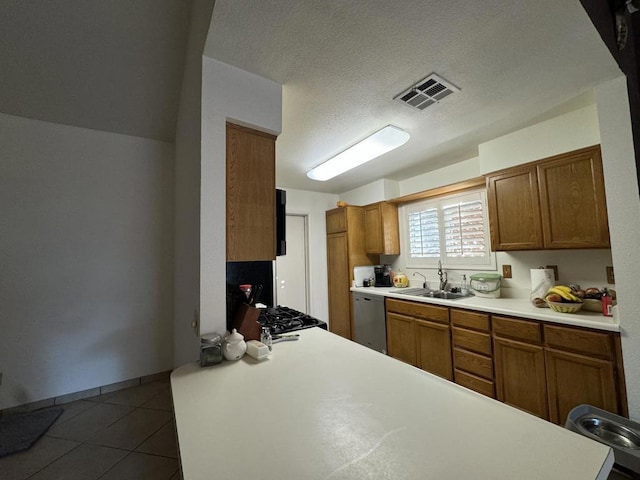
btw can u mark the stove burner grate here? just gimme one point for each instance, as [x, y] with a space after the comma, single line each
[284, 319]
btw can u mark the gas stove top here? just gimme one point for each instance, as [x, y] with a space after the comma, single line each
[284, 319]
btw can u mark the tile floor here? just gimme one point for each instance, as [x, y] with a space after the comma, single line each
[124, 435]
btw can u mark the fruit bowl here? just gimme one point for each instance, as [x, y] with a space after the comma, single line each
[564, 307]
[592, 304]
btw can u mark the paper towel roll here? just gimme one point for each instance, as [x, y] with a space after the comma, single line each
[542, 279]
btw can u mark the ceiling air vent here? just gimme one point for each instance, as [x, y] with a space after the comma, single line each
[426, 92]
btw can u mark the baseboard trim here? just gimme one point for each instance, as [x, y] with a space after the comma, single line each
[91, 392]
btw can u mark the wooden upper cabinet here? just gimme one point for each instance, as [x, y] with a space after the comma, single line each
[251, 190]
[381, 227]
[558, 202]
[336, 220]
[572, 200]
[514, 210]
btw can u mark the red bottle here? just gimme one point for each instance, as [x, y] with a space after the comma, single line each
[606, 303]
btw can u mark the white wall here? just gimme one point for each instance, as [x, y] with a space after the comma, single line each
[383, 189]
[228, 93]
[187, 190]
[623, 205]
[314, 205]
[564, 133]
[86, 249]
[461, 171]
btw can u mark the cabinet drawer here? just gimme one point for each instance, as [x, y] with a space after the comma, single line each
[473, 363]
[470, 340]
[472, 320]
[336, 220]
[526, 330]
[590, 342]
[477, 384]
[419, 310]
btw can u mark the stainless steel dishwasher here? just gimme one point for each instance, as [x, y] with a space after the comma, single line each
[369, 321]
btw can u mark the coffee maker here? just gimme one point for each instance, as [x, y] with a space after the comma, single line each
[383, 275]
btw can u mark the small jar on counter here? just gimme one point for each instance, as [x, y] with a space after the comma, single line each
[210, 349]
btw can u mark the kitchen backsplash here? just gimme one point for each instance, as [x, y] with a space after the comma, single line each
[584, 267]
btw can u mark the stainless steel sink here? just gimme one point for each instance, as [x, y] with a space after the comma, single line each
[428, 293]
[609, 432]
[444, 295]
[417, 292]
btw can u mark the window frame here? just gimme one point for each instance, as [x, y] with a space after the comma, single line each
[488, 262]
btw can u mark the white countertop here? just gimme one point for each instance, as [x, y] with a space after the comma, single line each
[517, 307]
[327, 408]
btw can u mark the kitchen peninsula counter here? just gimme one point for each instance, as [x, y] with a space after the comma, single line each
[324, 407]
[516, 307]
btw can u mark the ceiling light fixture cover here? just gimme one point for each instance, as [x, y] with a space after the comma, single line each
[379, 143]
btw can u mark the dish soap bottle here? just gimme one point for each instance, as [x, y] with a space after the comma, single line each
[464, 289]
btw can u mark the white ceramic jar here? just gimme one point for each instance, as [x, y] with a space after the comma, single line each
[234, 346]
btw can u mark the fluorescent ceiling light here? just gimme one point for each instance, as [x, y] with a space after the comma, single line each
[381, 142]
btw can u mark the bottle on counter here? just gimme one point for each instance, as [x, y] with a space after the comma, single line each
[265, 337]
[464, 288]
[607, 303]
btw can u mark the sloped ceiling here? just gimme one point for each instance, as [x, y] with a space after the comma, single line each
[343, 62]
[111, 65]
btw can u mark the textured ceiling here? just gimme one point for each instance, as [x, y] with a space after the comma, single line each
[111, 65]
[342, 62]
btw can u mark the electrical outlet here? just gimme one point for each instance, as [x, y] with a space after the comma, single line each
[555, 271]
[506, 271]
[611, 279]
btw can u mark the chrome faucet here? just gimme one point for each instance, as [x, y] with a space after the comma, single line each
[443, 276]
[424, 283]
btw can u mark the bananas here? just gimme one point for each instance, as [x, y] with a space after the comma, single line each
[566, 294]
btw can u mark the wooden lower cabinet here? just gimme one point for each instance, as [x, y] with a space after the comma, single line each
[542, 368]
[433, 348]
[574, 379]
[419, 334]
[520, 376]
[472, 351]
[401, 343]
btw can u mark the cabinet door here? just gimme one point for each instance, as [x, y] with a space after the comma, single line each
[381, 227]
[373, 227]
[575, 379]
[336, 220]
[514, 210]
[339, 280]
[401, 342]
[251, 195]
[433, 348]
[520, 376]
[572, 200]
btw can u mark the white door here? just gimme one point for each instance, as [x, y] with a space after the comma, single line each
[291, 269]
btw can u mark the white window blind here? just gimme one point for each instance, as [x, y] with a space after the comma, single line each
[451, 229]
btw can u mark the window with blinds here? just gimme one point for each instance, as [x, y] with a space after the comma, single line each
[452, 229]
